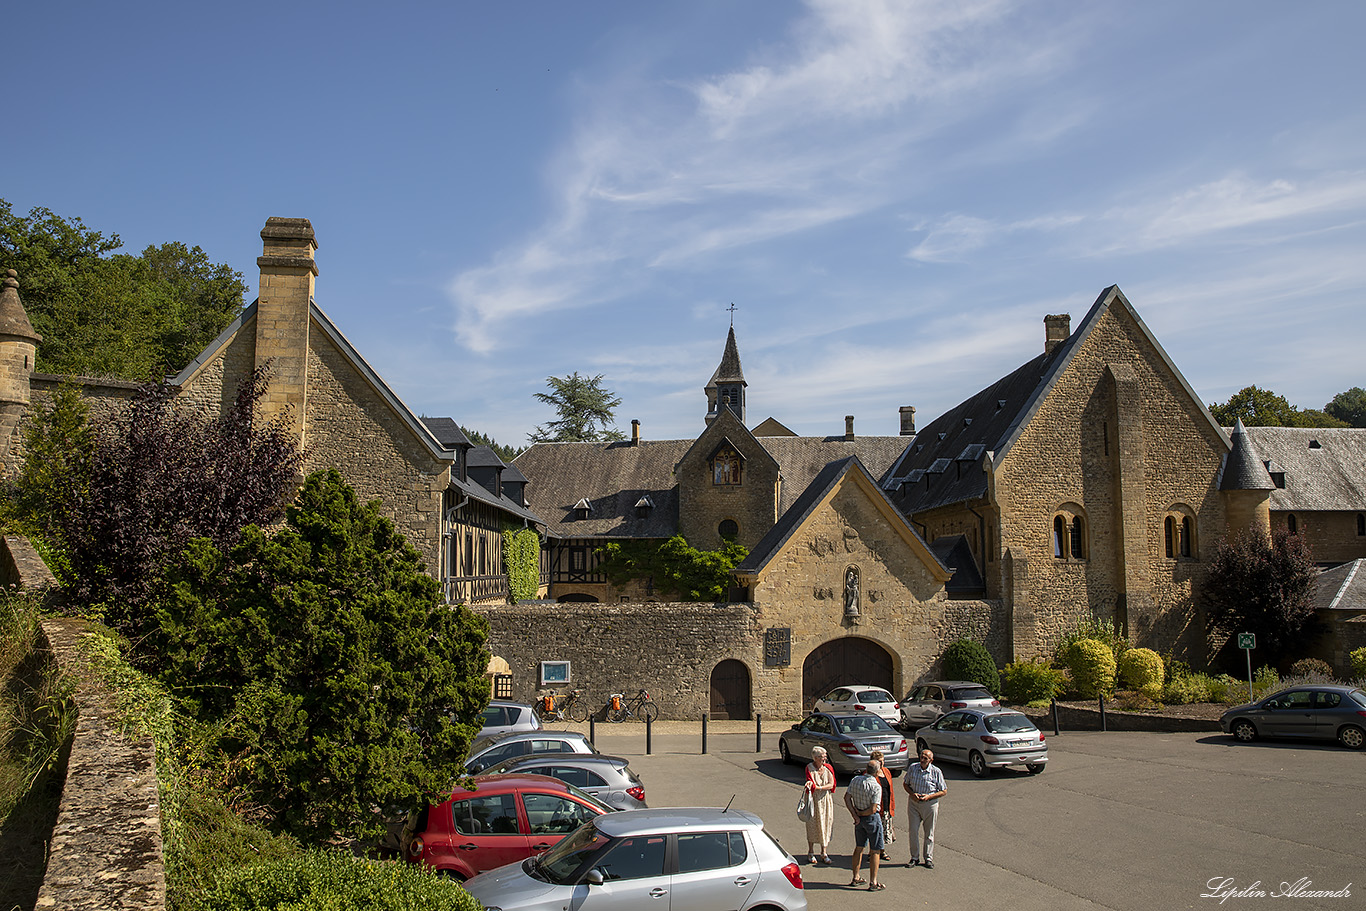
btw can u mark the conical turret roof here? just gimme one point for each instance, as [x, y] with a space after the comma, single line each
[13, 319]
[729, 371]
[1244, 469]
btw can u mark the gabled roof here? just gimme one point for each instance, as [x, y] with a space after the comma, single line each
[476, 491]
[954, 552]
[1324, 477]
[329, 328]
[771, 427]
[800, 459]
[997, 416]
[484, 457]
[822, 487]
[447, 432]
[1342, 588]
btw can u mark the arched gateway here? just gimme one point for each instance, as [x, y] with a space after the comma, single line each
[730, 691]
[850, 659]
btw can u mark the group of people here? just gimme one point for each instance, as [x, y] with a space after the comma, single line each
[871, 801]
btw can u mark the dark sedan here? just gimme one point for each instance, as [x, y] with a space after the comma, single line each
[1311, 712]
[848, 738]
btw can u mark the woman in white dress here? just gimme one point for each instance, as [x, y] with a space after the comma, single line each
[820, 781]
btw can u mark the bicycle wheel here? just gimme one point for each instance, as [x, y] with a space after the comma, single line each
[616, 716]
[539, 711]
[576, 711]
[649, 711]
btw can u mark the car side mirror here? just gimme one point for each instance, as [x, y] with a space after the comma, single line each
[594, 877]
[797, 726]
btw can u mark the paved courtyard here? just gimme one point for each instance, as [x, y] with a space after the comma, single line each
[1117, 820]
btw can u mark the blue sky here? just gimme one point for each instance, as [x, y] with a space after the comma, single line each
[893, 194]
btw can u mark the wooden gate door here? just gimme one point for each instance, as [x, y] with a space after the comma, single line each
[840, 662]
[730, 690]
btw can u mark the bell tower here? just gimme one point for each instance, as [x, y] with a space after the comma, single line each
[727, 386]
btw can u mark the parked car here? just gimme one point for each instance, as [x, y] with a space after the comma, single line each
[985, 740]
[848, 738]
[694, 858]
[608, 778]
[860, 697]
[506, 818]
[486, 752]
[507, 717]
[1310, 712]
[929, 701]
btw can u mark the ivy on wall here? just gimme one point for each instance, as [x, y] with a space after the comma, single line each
[522, 559]
[674, 565]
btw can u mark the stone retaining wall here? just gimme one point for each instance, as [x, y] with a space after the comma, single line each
[1079, 718]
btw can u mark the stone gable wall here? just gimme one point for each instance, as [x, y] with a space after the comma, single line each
[1332, 536]
[703, 505]
[1167, 450]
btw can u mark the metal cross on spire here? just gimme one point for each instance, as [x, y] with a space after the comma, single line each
[732, 308]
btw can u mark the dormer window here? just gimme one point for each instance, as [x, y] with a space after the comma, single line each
[582, 509]
[726, 467]
[643, 506]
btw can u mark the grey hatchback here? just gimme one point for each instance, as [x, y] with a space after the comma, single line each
[506, 717]
[608, 778]
[848, 738]
[1310, 712]
[489, 751]
[929, 701]
[986, 740]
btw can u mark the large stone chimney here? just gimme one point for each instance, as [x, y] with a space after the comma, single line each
[1056, 329]
[635, 432]
[908, 420]
[848, 427]
[287, 273]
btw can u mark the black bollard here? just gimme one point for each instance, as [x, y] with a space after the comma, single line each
[1056, 729]
[592, 730]
[758, 732]
[704, 732]
[649, 724]
[1102, 712]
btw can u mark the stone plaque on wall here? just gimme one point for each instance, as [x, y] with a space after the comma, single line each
[778, 646]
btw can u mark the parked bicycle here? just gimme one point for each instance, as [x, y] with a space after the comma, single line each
[561, 707]
[641, 707]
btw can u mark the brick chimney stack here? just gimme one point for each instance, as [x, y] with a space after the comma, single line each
[908, 420]
[848, 427]
[1056, 329]
[635, 432]
[287, 273]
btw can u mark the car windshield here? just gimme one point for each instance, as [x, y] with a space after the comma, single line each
[1011, 723]
[975, 692]
[1359, 697]
[589, 799]
[862, 724]
[560, 865]
[875, 696]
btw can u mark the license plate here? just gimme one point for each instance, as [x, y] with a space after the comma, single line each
[1022, 743]
[879, 746]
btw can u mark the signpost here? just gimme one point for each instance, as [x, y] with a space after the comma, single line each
[1247, 642]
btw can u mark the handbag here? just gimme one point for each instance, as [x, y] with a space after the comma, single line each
[806, 806]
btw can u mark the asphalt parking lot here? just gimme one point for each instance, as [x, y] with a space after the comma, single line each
[1117, 820]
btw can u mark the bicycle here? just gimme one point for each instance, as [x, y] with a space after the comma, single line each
[641, 706]
[561, 707]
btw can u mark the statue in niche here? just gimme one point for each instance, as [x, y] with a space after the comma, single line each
[851, 592]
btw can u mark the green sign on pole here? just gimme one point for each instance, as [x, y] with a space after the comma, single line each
[1247, 642]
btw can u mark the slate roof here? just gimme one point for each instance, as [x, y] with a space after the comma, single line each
[447, 432]
[994, 419]
[484, 457]
[476, 491]
[13, 317]
[954, 552]
[800, 459]
[1342, 588]
[1326, 477]
[728, 371]
[1244, 468]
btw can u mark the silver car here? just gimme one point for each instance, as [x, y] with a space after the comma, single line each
[489, 751]
[677, 858]
[608, 778]
[848, 738]
[507, 717]
[860, 697]
[985, 740]
[1317, 711]
[929, 701]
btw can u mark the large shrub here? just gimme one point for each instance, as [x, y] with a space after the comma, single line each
[1358, 657]
[965, 659]
[1141, 669]
[330, 677]
[1092, 666]
[337, 882]
[1313, 668]
[1093, 628]
[1264, 587]
[1023, 682]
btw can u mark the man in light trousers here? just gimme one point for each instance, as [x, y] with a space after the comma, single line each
[924, 783]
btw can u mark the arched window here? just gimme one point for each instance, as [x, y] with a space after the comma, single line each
[1361, 523]
[1069, 533]
[1187, 536]
[1291, 524]
[1169, 527]
[1178, 530]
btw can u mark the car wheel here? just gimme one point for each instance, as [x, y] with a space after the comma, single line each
[784, 752]
[452, 874]
[895, 772]
[1351, 737]
[920, 746]
[1244, 730]
[978, 764]
[1034, 768]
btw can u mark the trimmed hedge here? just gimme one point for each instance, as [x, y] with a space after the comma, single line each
[1141, 669]
[1093, 668]
[965, 659]
[337, 882]
[1023, 682]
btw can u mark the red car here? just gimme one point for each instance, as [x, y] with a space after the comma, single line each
[507, 818]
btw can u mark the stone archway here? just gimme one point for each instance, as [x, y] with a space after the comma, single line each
[730, 691]
[849, 659]
[577, 598]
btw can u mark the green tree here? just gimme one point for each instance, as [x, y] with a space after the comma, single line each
[585, 411]
[1264, 587]
[506, 453]
[1349, 406]
[333, 677]
[103, 313]
[1264, 408]
[158, 476]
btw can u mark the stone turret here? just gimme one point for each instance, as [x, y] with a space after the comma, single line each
[287, 274]
[1246, 486]
[18, 351]
[727, 386]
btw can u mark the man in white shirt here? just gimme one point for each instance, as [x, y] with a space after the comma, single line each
[925, 785]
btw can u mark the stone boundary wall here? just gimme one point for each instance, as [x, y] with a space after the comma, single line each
[1080, 718]
[105, 853]
[21, 565]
